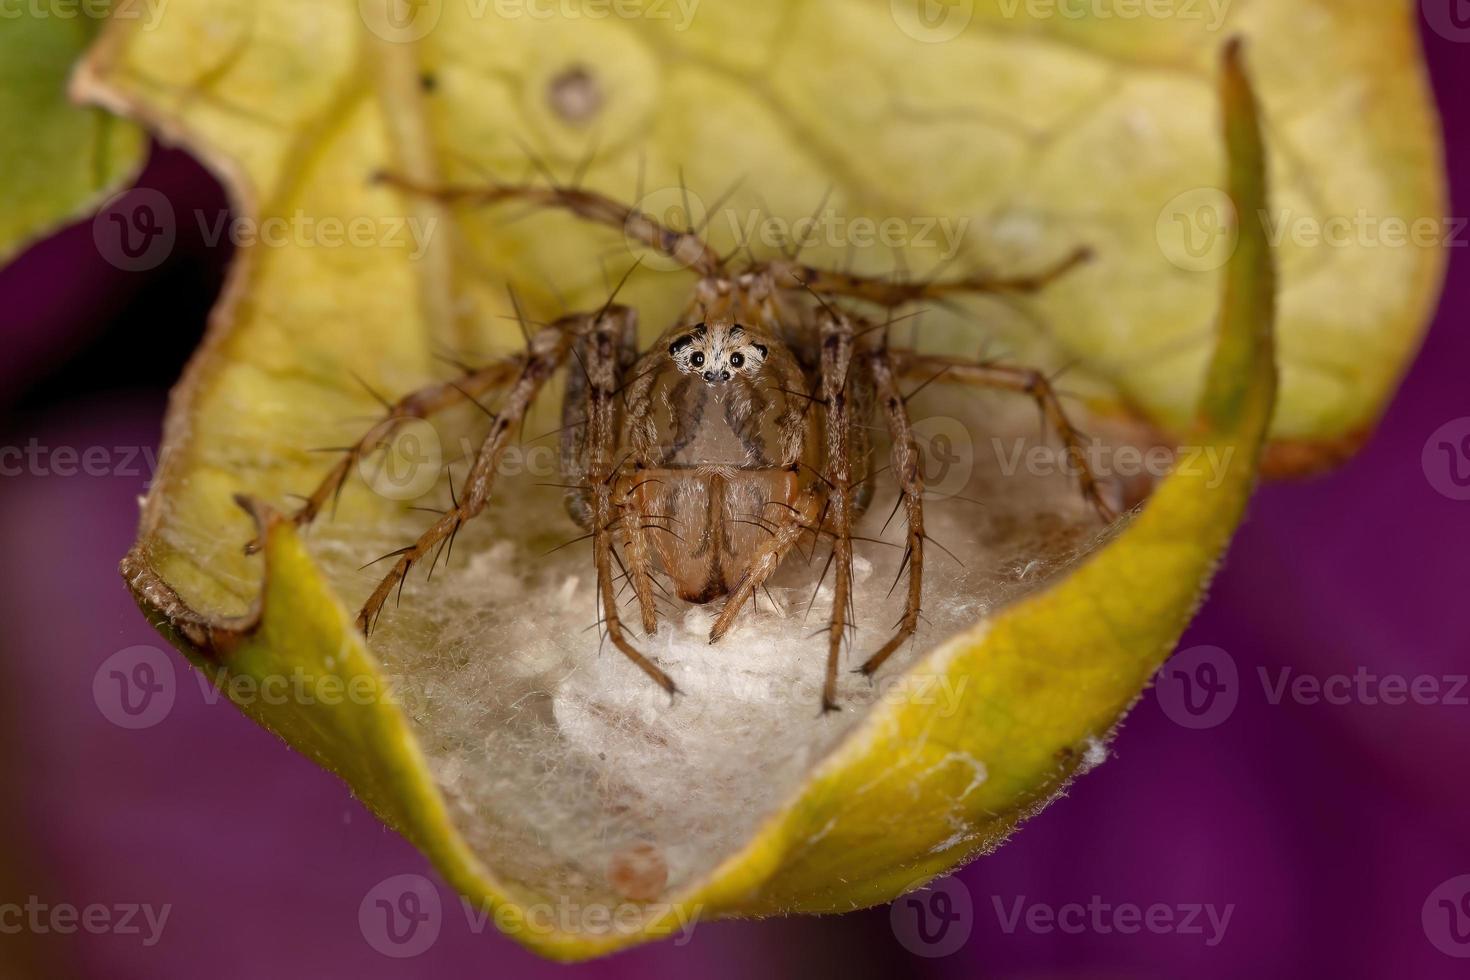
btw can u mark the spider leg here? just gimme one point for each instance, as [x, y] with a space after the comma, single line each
[803, 516]
[638, 557]
[599, 354]
[548, 349]
[1022, 380]
[896, 292]
[908, 471]
[685, 247]
[836, 373]
[419, 404]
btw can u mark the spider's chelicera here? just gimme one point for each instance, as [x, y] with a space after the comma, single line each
[705, 458]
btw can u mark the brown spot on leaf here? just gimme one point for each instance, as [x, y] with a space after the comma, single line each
[638, 873]
[575, 95]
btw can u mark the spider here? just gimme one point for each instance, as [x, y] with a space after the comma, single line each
[709, 455]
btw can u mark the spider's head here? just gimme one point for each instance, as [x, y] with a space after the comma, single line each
[717, 352]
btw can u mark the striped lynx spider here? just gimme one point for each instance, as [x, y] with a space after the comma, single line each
[704, 459]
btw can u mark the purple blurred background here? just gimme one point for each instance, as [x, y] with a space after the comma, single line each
[1329, 833]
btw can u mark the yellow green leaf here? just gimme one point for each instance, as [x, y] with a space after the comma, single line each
[481, 722]
[1028, 127]
[59, 160]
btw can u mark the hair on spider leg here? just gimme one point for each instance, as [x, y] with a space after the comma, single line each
[897, 503]
[568, 544]
[937, 375]
[371, 391]
[719, 202]
[584, 162]
[797, 247]
[940, 545]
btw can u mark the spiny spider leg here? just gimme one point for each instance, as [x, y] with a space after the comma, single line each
[639, 565]
[836, 374]
[889, 292]
[1026, 381]
[908, 471]
[598, 353]
[548, 349]
[805, 515]
[418, 404]
[685, 247]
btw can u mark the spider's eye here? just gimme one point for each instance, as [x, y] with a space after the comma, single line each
[697, 359]
[736, 360]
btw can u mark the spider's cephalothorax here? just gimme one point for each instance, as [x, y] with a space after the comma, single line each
[743, 428]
